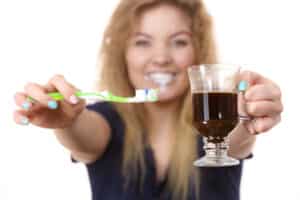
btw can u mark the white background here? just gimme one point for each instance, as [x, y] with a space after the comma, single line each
[40, 38]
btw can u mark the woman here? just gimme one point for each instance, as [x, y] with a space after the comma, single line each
[145, 151]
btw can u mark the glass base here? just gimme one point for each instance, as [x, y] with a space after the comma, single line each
[224, 161]
[216, 155]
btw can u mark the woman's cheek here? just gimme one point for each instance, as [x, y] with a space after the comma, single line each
[185, 59]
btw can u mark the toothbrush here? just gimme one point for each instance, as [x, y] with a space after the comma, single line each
[141, 95]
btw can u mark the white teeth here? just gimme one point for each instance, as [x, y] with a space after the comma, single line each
[162, 79]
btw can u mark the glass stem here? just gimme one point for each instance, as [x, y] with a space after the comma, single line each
[216, 150]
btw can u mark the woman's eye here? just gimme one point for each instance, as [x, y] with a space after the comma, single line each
[180, 43]
[142, 43]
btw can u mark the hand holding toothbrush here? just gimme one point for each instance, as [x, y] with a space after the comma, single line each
[58, 103]
[40, 109]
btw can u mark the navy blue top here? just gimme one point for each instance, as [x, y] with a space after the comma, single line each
[105, 174]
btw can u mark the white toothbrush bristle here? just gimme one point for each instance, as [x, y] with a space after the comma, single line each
[140, 95]
[146, 95]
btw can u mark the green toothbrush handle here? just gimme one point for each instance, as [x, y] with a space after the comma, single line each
[108, 97]
[58, 96]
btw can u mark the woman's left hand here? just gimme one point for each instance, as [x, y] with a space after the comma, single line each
[261, 102]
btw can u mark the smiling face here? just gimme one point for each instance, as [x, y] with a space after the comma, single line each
[159, 51]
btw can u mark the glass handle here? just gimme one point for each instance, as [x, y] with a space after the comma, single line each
[243, 115]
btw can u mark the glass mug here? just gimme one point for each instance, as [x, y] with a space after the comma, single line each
[215, 110]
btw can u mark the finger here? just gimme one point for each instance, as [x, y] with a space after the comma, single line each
[21, 101]
[65, 88]
[21, 118]
[264, 124]
[37, 92]
[264, 108]
[263, 92]
[72, 110]
[49, 88]
[242, 110]
[252, 78]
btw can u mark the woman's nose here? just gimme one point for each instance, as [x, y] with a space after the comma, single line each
[162, 56]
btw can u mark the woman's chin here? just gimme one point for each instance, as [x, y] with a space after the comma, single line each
[167, 96]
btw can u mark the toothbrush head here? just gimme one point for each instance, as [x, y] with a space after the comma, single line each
[148, 95]
[152, 95]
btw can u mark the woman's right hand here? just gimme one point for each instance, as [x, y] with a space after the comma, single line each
[44, 111]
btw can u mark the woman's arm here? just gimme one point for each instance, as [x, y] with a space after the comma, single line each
[87, 137]
[85, 133]
[241, 142]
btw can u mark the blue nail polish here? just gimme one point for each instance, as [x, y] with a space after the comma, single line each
[243, 85]
[26, 105]
[52, 105]
[24, 121]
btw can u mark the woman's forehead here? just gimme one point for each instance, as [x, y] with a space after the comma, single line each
[162, 18]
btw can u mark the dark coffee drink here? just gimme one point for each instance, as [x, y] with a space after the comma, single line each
[215, 114]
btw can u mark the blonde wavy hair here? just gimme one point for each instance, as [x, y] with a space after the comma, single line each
[114, 77]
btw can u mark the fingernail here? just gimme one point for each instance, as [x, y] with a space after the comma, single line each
[73, 99]
[24, 121]
[26, 105]
[52, 104]
[243, 85]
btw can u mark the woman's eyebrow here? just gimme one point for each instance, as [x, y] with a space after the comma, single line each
[141, 34]
[137, 34]
[181, 33]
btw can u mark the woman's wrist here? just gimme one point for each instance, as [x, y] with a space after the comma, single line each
[241, 142]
